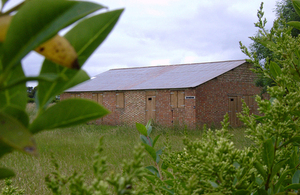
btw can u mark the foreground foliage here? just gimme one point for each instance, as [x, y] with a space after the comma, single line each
[29, 25]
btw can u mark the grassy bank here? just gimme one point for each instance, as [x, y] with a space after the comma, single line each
[73, 148]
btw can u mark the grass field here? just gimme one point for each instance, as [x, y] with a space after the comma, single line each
[73, 148]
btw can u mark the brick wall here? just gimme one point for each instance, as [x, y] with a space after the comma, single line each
[213, 96]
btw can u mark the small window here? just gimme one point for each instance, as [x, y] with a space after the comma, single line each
[174, 99]
[120, 100]
[180, 99]
[150, 99]
[231, 99]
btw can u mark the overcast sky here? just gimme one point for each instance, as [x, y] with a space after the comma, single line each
[163, 32]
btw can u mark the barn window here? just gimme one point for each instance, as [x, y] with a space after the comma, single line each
[177, 99]
[180, 99]
[120, 100]
[174, 99]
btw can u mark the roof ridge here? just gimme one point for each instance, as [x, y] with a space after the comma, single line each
[177, 64]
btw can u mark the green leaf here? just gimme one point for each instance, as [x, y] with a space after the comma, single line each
[151, 151]
[262, 192]
[169, 174]
[164, 166]
[155, 140]
[286, 193]
[22, 80]
[241, 192]
[14, 96]
[92, 33]
[268, 153]
[141, 128]
[275, 69]
[167, 190]
[260, 169]
[294, 24]
[144, 139]
[17, 113]
[281, 179]
[66, 113]
[295, 139]
[153, 170]
[295, 186]
[4, 149]
[296, 5]
[213, 184]
[68, 78]
[158, 153]
[277, 167]
[6, 173]
[296, 177]
[236, 165]
[267, 44]
[37, 21]
[149, 128]
[14, 134]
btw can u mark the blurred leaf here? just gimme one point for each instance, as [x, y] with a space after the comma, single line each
[4, 149]
[158, 153]
[151, 151]
[293, 139]
[275, 69]
[144, 139]
[48, 90]
[268, 153]
[286, 193]
[164, 166]
[14, 134]
[17, 113]
[92, 32]
[6, 173]
[260, 169]
[37, 21]
[277, 167]
[213, 184]
[153, 170]
[149, 128]
[236, 165]
[17, 95]
[296, 177]
[167, 190]
[241, 192]
[281, 179]
[296, 5]
[294, 186]
[262, 192]
[23, 80]
[141, 128]
[66, 113]
[169, 174]
[155, 140]
[295, 24]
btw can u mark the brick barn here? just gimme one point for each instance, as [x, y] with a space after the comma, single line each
[190, 94]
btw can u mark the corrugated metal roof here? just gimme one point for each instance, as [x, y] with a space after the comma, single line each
[157, 77]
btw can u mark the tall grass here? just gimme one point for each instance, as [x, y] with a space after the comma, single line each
[73, 148]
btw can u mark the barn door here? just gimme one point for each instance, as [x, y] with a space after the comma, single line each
[233, 110]
[150, 108]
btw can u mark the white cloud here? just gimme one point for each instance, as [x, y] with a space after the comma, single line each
[162, 32]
